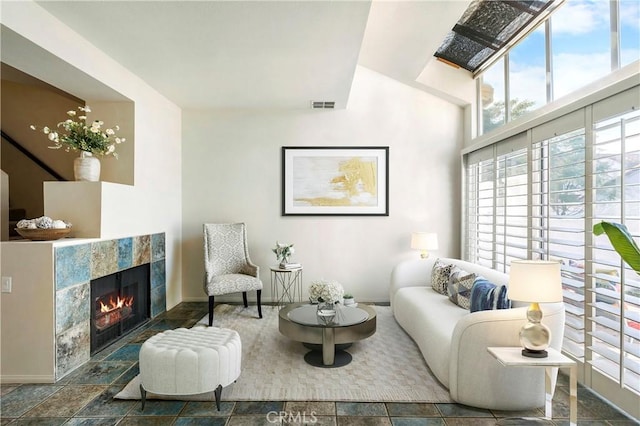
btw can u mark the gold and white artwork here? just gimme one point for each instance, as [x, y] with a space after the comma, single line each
[335, 181]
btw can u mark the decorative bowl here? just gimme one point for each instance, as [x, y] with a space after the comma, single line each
[39, 234]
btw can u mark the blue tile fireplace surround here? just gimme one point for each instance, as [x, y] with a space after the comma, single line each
[76, 266]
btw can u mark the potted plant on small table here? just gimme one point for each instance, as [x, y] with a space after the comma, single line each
[348, 300]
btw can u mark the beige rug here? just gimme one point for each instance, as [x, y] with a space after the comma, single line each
[386, 367]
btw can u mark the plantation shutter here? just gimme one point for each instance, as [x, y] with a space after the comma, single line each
[558, 219]
[480, 172]
[496, 203]
[614, 311]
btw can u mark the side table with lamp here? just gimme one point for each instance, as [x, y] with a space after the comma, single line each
[538, 281]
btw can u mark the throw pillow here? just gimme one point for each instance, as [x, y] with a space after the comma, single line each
[440, 276]
[485, 295]
[459, 289]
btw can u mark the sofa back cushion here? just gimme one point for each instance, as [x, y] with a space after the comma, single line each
[459, 288]
[486, 295]
[440, 276]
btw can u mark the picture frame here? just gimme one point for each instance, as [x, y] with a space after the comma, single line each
[335, 181]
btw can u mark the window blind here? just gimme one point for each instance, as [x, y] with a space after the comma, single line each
[558, 221]
[614, 310]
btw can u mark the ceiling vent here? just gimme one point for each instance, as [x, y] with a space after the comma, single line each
[322, 105]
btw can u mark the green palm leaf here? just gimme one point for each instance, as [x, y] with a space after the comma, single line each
[622, 242]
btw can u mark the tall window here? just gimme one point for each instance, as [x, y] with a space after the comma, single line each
[558, 218]
[538, 194]
[480, 207]
[527, 74]
[493, 96]
[581, 48]
[629, 13]
[615, 305]
[497, 204]
[580, 38]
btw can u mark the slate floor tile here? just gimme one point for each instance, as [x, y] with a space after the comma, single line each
[417, 421]
[412, 409]
[67, 401]
[147, 421]
[99, 372]
[22, 399]
[128, 352]
[39, 421]
[361, 409]
[157, 408]
[104, 405]
[202, 408]
[249, 420]
[200, 421]
[457, 410]
[88, 421]
[128, 375]
[258, 407]
[469, 421]
[363, 421]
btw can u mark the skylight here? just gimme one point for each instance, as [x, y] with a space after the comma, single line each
[488, 27]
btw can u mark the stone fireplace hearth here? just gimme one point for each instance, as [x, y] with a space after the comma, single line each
[76, 266]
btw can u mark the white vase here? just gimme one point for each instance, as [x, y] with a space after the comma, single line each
[86, 167]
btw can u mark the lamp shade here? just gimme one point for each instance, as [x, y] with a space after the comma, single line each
[535, 281]
[424, 241]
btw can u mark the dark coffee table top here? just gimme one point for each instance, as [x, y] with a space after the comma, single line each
[345, 316]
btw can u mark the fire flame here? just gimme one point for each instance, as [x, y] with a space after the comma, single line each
[116, 304]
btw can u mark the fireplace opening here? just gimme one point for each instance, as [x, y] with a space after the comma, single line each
[120, 304]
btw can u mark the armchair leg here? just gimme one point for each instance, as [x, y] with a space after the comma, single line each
[244, 299]
[211, 310]
[259, 294]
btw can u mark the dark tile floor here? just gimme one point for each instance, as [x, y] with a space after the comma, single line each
[85, 397]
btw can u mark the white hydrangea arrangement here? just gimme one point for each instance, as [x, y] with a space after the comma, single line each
[325, 291]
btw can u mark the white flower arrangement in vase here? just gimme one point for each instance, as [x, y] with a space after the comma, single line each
[82, 136]
[283, 252]
[325, 291]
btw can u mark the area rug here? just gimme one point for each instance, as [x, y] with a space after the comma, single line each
[386, 367]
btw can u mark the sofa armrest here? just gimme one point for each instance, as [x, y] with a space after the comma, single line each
[410, 273]
[475, 376]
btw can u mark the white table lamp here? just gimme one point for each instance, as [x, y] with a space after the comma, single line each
[424, 241]
[535, 281]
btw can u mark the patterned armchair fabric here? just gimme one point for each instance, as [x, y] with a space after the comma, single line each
[228, 268]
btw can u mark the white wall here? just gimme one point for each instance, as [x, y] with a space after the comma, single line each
[36, 43]
[232, 172]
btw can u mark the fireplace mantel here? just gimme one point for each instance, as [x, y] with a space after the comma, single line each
[51, 294]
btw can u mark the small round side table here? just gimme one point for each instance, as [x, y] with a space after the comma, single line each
[289, 280]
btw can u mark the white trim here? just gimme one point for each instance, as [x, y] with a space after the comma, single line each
[7, 378]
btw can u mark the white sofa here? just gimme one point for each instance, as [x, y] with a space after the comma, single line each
[454, 341]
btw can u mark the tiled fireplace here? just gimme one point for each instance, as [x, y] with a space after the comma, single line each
[76, 266]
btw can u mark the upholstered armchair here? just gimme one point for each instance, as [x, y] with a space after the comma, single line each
[228, 268]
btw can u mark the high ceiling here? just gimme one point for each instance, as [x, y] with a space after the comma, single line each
[261, 54]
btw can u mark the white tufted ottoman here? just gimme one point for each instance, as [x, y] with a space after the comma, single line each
[190, 361]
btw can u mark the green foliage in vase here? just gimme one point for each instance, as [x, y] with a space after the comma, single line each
[79, 136]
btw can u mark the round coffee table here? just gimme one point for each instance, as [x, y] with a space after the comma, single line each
[299, 322]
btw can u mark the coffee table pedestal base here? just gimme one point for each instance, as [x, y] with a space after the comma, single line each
[340, 359]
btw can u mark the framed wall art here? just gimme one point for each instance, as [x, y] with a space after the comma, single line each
[335, 181]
